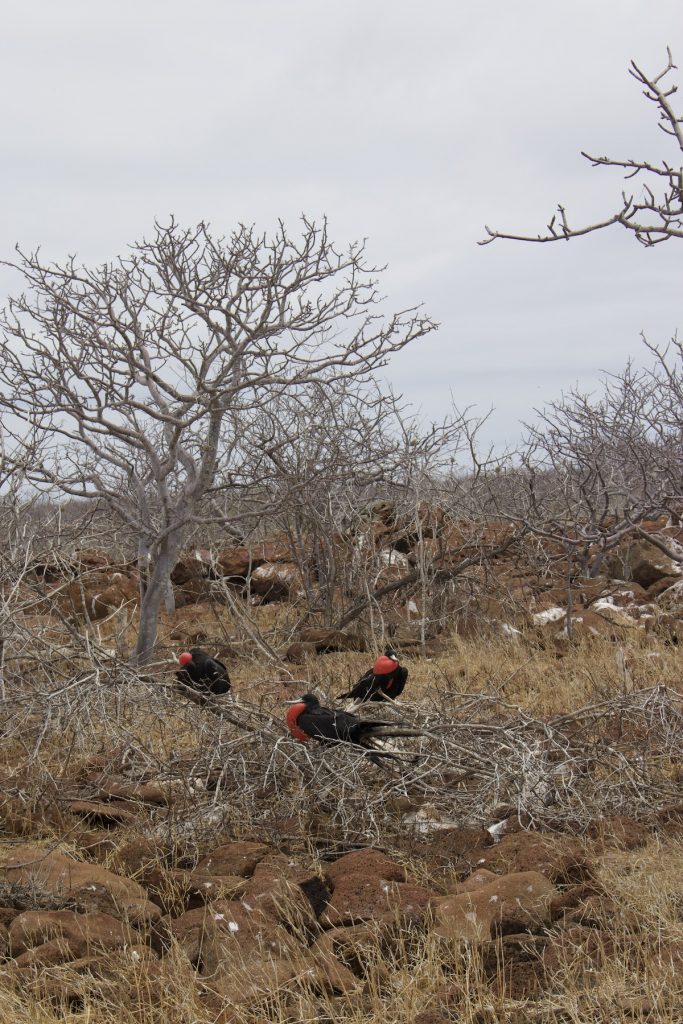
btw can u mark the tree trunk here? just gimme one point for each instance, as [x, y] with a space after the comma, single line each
[157, 589]
[169, 597]
[143, 566]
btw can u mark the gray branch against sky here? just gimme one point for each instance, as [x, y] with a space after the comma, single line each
[652, 208]
[409, 126]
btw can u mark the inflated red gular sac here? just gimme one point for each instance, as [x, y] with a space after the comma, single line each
[203, 673]
[307, 719]
[297, 708]
[384, 681]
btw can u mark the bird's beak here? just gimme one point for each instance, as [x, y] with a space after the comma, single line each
[297, 700]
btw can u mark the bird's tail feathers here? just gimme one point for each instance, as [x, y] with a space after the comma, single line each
[391, 731]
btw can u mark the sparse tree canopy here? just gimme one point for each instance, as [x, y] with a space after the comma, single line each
[131, 379]
[654, 216]
[599, 466]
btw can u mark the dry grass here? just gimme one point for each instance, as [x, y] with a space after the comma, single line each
[635, 981]
[262, 785]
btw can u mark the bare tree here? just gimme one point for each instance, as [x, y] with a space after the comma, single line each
[133, 378]
[599, 466]
[657, 214]
[329, 455]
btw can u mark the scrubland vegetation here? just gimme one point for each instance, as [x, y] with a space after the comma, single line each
[197, 451]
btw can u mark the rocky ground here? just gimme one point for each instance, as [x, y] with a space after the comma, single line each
[168, 860]
[532, 928]
[529, 587]
[159, 864]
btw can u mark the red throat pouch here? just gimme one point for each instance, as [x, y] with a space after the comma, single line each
[384, 666]
[292, 719]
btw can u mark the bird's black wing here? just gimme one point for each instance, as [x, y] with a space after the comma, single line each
[217, 677]
[363, 687]
[369, 722]
[322, 723]
[353, 729]
[217, 669]
[393, 687]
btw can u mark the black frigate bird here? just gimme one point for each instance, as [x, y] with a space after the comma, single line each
[385, 680]
[201, 672]
[307, 719]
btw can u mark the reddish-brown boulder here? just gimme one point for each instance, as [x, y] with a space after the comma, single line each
[96, 593]
[356, 946]
[671, 597]
[360, 897]
[238, 562]
[130, 976]
[101, 813]
[519, 980]
[199, 562]
[192, 577]
[276, 581]
[619, 832]
[641, 561]
[513, 965]
[244, 955]
[579, 946]
[366, 862]
[477, 880]
[559, 858]
[153, 792]
[239, 858]
[511, 903]
[119, 591]
[298, 653]
[670, 818]
[329, 640]
[600, 910]
[90, 558]
[51, 953]
[136, 854]
[274, 890]
[447, 850]
[342, 949]
[176, 888]
[188, 929]
[625, 595]
[57, 873]
[95, 898]
[34, 927]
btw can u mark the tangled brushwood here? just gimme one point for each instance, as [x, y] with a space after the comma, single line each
[476, 758]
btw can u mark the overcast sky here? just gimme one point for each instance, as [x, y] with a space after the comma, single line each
[411, 124]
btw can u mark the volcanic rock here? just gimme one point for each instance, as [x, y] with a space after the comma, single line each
[641, 561]
[54, 872]
[34, 927]
[511, 903]
[361, 897]
[239, 858]
[560, 858]
[366, 862]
